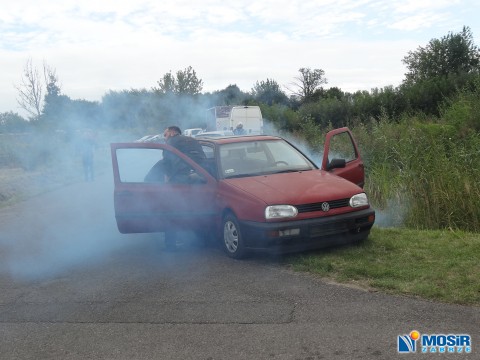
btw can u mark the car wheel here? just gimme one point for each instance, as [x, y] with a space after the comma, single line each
[232, 238]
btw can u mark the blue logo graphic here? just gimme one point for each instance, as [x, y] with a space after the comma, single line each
[407, 343]
[434, 343]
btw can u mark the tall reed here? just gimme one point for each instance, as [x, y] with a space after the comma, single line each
[422, 175]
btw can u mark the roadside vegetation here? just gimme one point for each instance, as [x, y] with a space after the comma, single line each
[440, 265]
[420, 142]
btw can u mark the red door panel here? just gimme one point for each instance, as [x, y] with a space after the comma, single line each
[146, 206]
[340, 144]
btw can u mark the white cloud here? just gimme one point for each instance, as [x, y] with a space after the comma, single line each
[416, 22]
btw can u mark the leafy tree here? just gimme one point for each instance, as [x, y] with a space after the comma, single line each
[231, 95]
[279, 118]
[452, 54]
[326, 112]
[308, 82]
[185, 82]
[439, 71]
[54, 101]
[55, 109]
[334, 93]
[269, 92]
[51, 81]
[188, 82]
[11, 122]
[167, 84]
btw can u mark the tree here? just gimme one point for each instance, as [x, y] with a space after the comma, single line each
[185, 82]
[33, 87]
[12, 122]
[334, 93]
[439, 71]
[166, 85]
[231, 95]
[308, 82]
[51, 81]
[188, 82]
[452, 54]
[30, 91]
[54, 103]
[269, 92]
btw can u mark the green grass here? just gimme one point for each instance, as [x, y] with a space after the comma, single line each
[437, 265]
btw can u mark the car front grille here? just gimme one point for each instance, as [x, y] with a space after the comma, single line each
[328, 229]
[334, 204]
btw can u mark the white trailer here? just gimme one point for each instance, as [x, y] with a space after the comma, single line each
[228, 117]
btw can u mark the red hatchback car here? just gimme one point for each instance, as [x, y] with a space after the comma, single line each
[252, 193]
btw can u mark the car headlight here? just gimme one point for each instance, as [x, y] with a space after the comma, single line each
[358, 200]
[280, 211]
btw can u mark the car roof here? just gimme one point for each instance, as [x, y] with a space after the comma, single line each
[219, 132]
[236, 139]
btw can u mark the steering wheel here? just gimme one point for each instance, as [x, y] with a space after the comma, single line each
[281, 162]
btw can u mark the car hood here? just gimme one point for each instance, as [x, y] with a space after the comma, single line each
[297, 187]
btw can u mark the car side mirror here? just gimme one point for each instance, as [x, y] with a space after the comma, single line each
[336, 163]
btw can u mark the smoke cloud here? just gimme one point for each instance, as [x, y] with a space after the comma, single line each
[53, 232]
[74, 225]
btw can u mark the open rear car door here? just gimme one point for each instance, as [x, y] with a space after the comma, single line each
[342, 158]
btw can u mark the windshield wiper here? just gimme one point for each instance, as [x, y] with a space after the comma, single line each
[289, 171]
[241, 175]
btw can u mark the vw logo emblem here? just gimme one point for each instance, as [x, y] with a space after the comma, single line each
[325, 206]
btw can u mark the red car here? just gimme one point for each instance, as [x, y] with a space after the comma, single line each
[252, 193]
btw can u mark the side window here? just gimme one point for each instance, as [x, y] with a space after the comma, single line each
[341, 147]
[209, 163]
[149, 165]
[208, 150]
[134, 164]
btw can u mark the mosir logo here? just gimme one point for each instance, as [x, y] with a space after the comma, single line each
[434, 343]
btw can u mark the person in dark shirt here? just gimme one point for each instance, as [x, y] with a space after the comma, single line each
[173, 168]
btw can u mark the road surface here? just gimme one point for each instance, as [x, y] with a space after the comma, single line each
[72, 287]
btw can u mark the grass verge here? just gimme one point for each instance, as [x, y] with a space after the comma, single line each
[437, 265]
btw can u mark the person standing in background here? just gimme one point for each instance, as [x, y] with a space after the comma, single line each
[239, 130]
[87, 148]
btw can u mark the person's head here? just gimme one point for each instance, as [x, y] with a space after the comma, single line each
[239, 125]
[171, 131]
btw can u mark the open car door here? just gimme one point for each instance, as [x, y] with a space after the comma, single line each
[144, 202]
[342, 158]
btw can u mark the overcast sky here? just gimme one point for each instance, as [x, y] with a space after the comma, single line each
[101, 45]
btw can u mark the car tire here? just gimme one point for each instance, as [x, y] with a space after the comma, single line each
[232, 240]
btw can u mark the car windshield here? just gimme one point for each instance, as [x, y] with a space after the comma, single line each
[253, 158]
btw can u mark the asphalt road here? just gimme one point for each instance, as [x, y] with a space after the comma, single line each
[72, 287]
